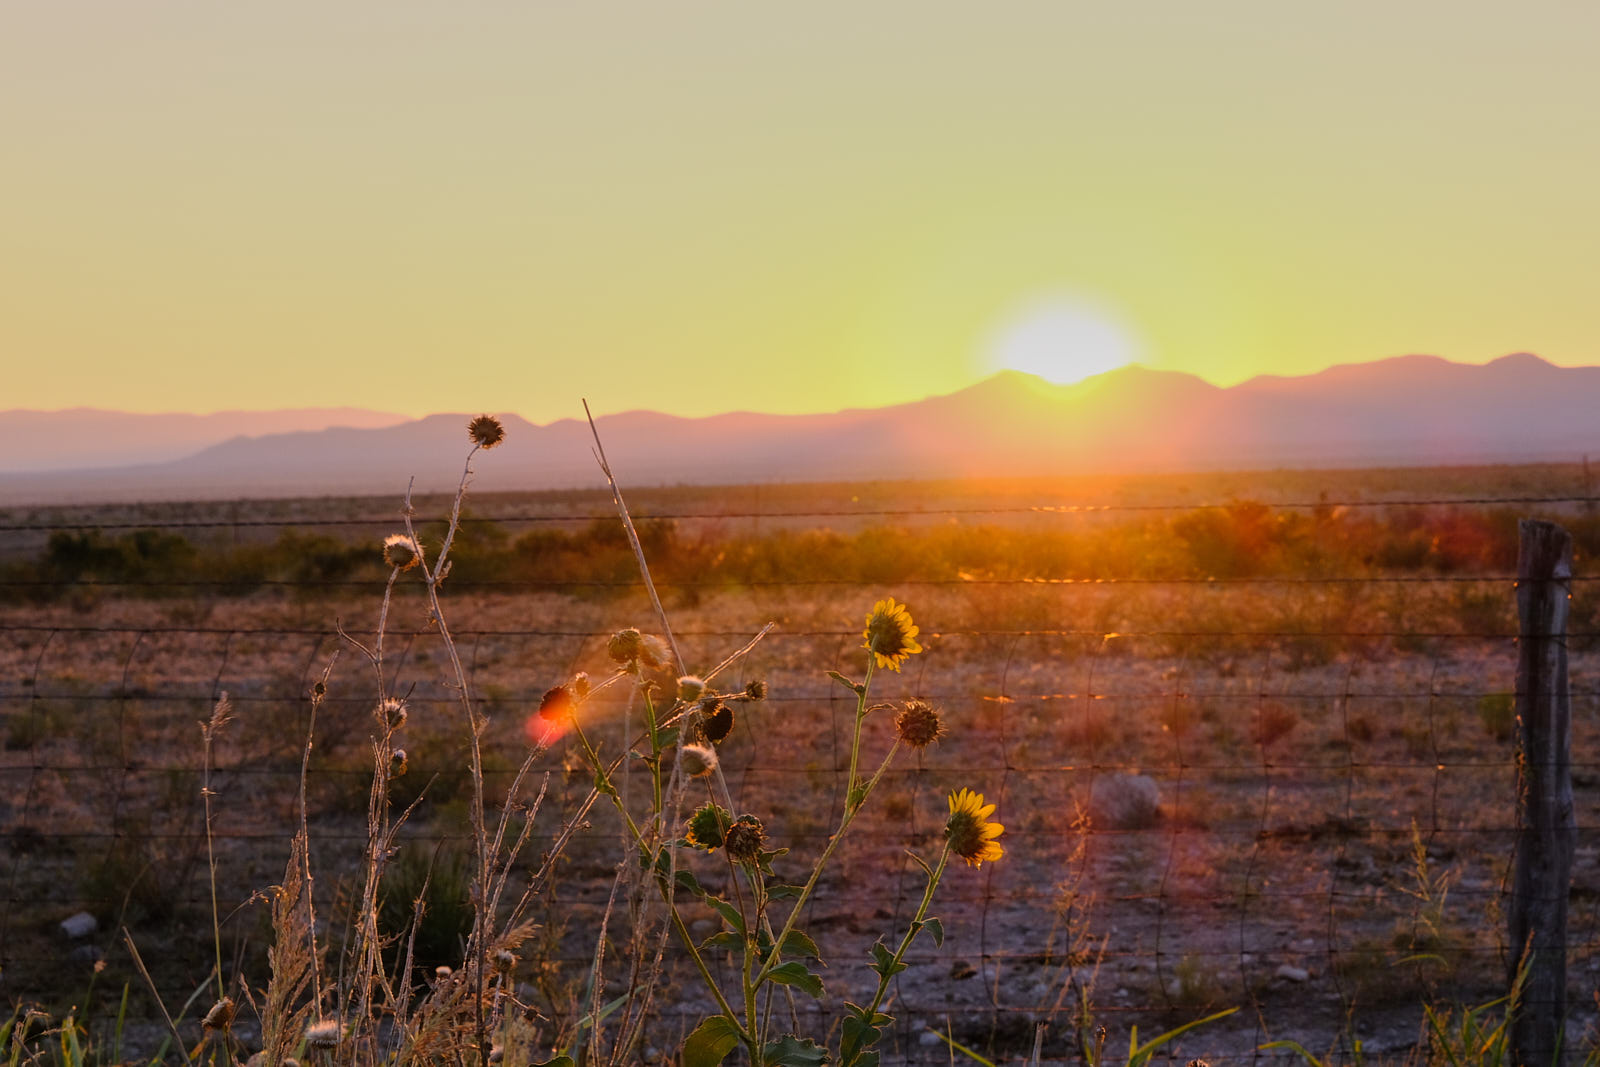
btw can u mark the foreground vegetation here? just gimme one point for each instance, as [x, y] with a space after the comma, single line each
[361, 980]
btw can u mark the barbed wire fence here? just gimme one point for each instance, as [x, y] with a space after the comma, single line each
[1315, 824]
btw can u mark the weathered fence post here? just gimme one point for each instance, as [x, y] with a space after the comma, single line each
[1546, 827]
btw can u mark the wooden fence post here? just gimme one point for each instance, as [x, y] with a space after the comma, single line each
[1546, 826]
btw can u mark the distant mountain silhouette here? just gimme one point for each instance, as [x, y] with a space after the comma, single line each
[1407, 411]
[90, 437]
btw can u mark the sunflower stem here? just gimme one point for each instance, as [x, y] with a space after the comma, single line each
[661, 886]
[911, 932]
[822, 861]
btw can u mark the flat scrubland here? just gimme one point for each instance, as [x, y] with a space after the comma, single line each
[1320, 694]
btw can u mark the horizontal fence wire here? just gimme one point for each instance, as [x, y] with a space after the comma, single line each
[999, 511]
[1319, 835]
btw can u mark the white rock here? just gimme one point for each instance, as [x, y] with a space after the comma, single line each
[1292, 973]
[80, 925]
[929, 1038]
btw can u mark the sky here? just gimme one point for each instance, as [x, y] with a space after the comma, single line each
[699, 207]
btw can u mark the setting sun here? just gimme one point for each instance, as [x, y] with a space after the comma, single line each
[1063, 341]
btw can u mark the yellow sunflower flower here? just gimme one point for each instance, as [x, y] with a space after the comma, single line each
[890, 633]
[970, 833]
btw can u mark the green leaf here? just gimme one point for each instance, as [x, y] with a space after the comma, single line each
[936, 928]
[726, 939]
[687, 880]
[779, 891]
[728, 912]
[795, 974]
[710, 1043]
[860, 1031]
[791, 1051]
[858, 796]
[605, 1012]
[856, 1011]
[855, 687]
[798, 944]
[559, 1061]
[1140, 1054]
[965, 1051]
[883, 961]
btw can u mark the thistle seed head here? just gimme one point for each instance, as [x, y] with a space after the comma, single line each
[690, 688]
[401, 552]
[697, 761]
[486, 431]
[323, 1033]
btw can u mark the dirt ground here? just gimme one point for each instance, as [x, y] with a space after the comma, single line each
[1296, 777]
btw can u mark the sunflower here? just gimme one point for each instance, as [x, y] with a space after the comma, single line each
[890, 633]
[969, 832]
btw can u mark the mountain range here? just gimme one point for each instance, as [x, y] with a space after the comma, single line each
[1405, 411]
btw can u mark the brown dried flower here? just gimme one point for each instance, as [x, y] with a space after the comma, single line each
[918, 724]
[391, 713]
[401, 551]
[745, 838]
[557, 705]
[486, 431]
[716, 718]
[324, 1033]
[697, 761]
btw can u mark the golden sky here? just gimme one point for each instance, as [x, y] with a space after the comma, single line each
[703, 207]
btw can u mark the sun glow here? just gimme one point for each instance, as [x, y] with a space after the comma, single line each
[1062, 340]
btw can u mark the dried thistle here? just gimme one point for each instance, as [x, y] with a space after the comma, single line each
[697, 761]
[716, 720]
[324, 1034]
[745, 838]
[557, 705]
[690, 688]
[486, 431]
[918, 724]
[391, 713]
[401, 551]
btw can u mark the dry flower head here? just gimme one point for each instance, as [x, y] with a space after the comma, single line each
[486, 431]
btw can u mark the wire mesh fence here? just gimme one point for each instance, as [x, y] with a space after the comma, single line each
[1292, 793]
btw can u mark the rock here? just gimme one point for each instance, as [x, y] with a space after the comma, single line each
[1292, 973]
[80, 925]
[1124, 802]
[929, 1038]
[701, 929]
